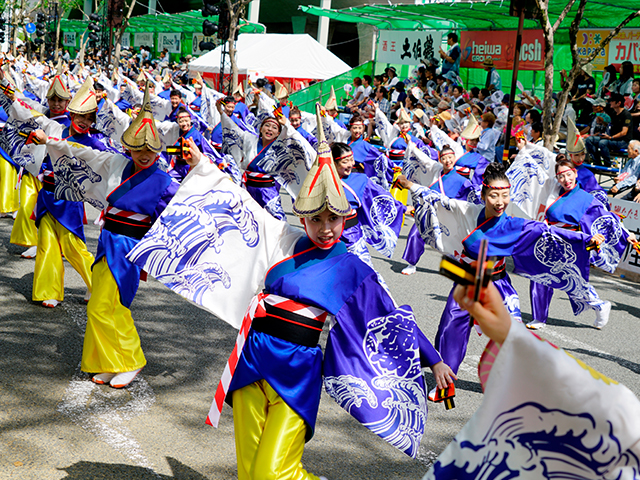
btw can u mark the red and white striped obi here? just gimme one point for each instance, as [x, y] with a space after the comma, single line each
[276, 316]
[48, 181]
[123, 222]
[257, 179]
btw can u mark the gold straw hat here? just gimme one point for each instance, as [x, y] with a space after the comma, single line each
[84, 101]
[322, 188]
[142, 131]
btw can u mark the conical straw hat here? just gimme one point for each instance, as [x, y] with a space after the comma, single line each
[472, 130]
[142, 131]
[84, 101]
[403, 116]
[322, 188]
[58, 87]
[332, 103]
[575, 144]
[281, 91]
[142, 77]
[239, 90]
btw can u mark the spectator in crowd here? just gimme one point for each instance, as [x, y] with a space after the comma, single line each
[493, 81]
[599, 146]
[451, 58]
[630, 174]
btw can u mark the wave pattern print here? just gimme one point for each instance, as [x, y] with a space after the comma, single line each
[391, 347]
[173, 248]
[555, 253]
[534, 442]
[380, 235]
[70, 175]
[429, 226]
[607, 257]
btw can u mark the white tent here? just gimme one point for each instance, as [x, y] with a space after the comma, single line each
[273, 55]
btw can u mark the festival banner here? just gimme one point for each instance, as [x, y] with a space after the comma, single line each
[625, 47]
[630, 212]
[69, 39]
[195, 43]
[143, 39]
[170, 41]
[501, 47]
[125, 40]
[588, 41]
[407, 47]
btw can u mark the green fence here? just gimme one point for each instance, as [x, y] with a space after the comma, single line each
[306, 98]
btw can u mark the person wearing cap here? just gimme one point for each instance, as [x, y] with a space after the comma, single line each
[472, 164]
[440, 176]
[133, 191]
[451, 59]
[395, 137]
[493, 81]
[583, 87]
[599, 146]
[305, 279]
[629, 175]
[598, 106]
[60, 222]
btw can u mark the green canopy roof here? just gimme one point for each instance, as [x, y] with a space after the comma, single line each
[187, 22]
[476, 15]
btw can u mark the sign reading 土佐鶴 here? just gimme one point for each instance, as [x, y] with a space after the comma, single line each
[501, 48]
[407, 47]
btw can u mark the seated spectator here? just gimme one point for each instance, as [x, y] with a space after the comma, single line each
[601, 124]
[536, 133]
[628, 177]
[599, 146]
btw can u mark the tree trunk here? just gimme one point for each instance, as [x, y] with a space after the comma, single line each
[118, 36]
[236, 11]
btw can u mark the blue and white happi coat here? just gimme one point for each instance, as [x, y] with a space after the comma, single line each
[217, 247]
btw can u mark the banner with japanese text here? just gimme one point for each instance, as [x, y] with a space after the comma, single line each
[407, 47]
[625, 46]
[143, 39]
[69, 39]
[501, 47]
[630, 211]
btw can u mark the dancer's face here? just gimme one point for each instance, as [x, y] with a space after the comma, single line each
[324, 229]
[566, 176]
[496, 199]
[577, 158]
[345, 165]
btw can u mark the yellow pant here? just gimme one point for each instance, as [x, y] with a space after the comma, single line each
[111, 341]
[24, 231]
[9, 196]
[269, 435]
[54, 241]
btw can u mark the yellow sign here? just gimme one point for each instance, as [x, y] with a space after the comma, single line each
[588, 41]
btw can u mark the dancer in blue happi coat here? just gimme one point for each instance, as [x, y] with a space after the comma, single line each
[457, 227]
[575, 209]
[294, 282]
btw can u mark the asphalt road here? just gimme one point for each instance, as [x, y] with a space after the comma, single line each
[55, 423]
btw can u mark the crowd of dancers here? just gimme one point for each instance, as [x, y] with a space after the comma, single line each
[189, 180]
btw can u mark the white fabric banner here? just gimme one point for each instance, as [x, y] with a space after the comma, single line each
[545, 414]
[69, 39]
[143, 39]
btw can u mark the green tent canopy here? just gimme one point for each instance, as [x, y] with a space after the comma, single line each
[185, 22]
